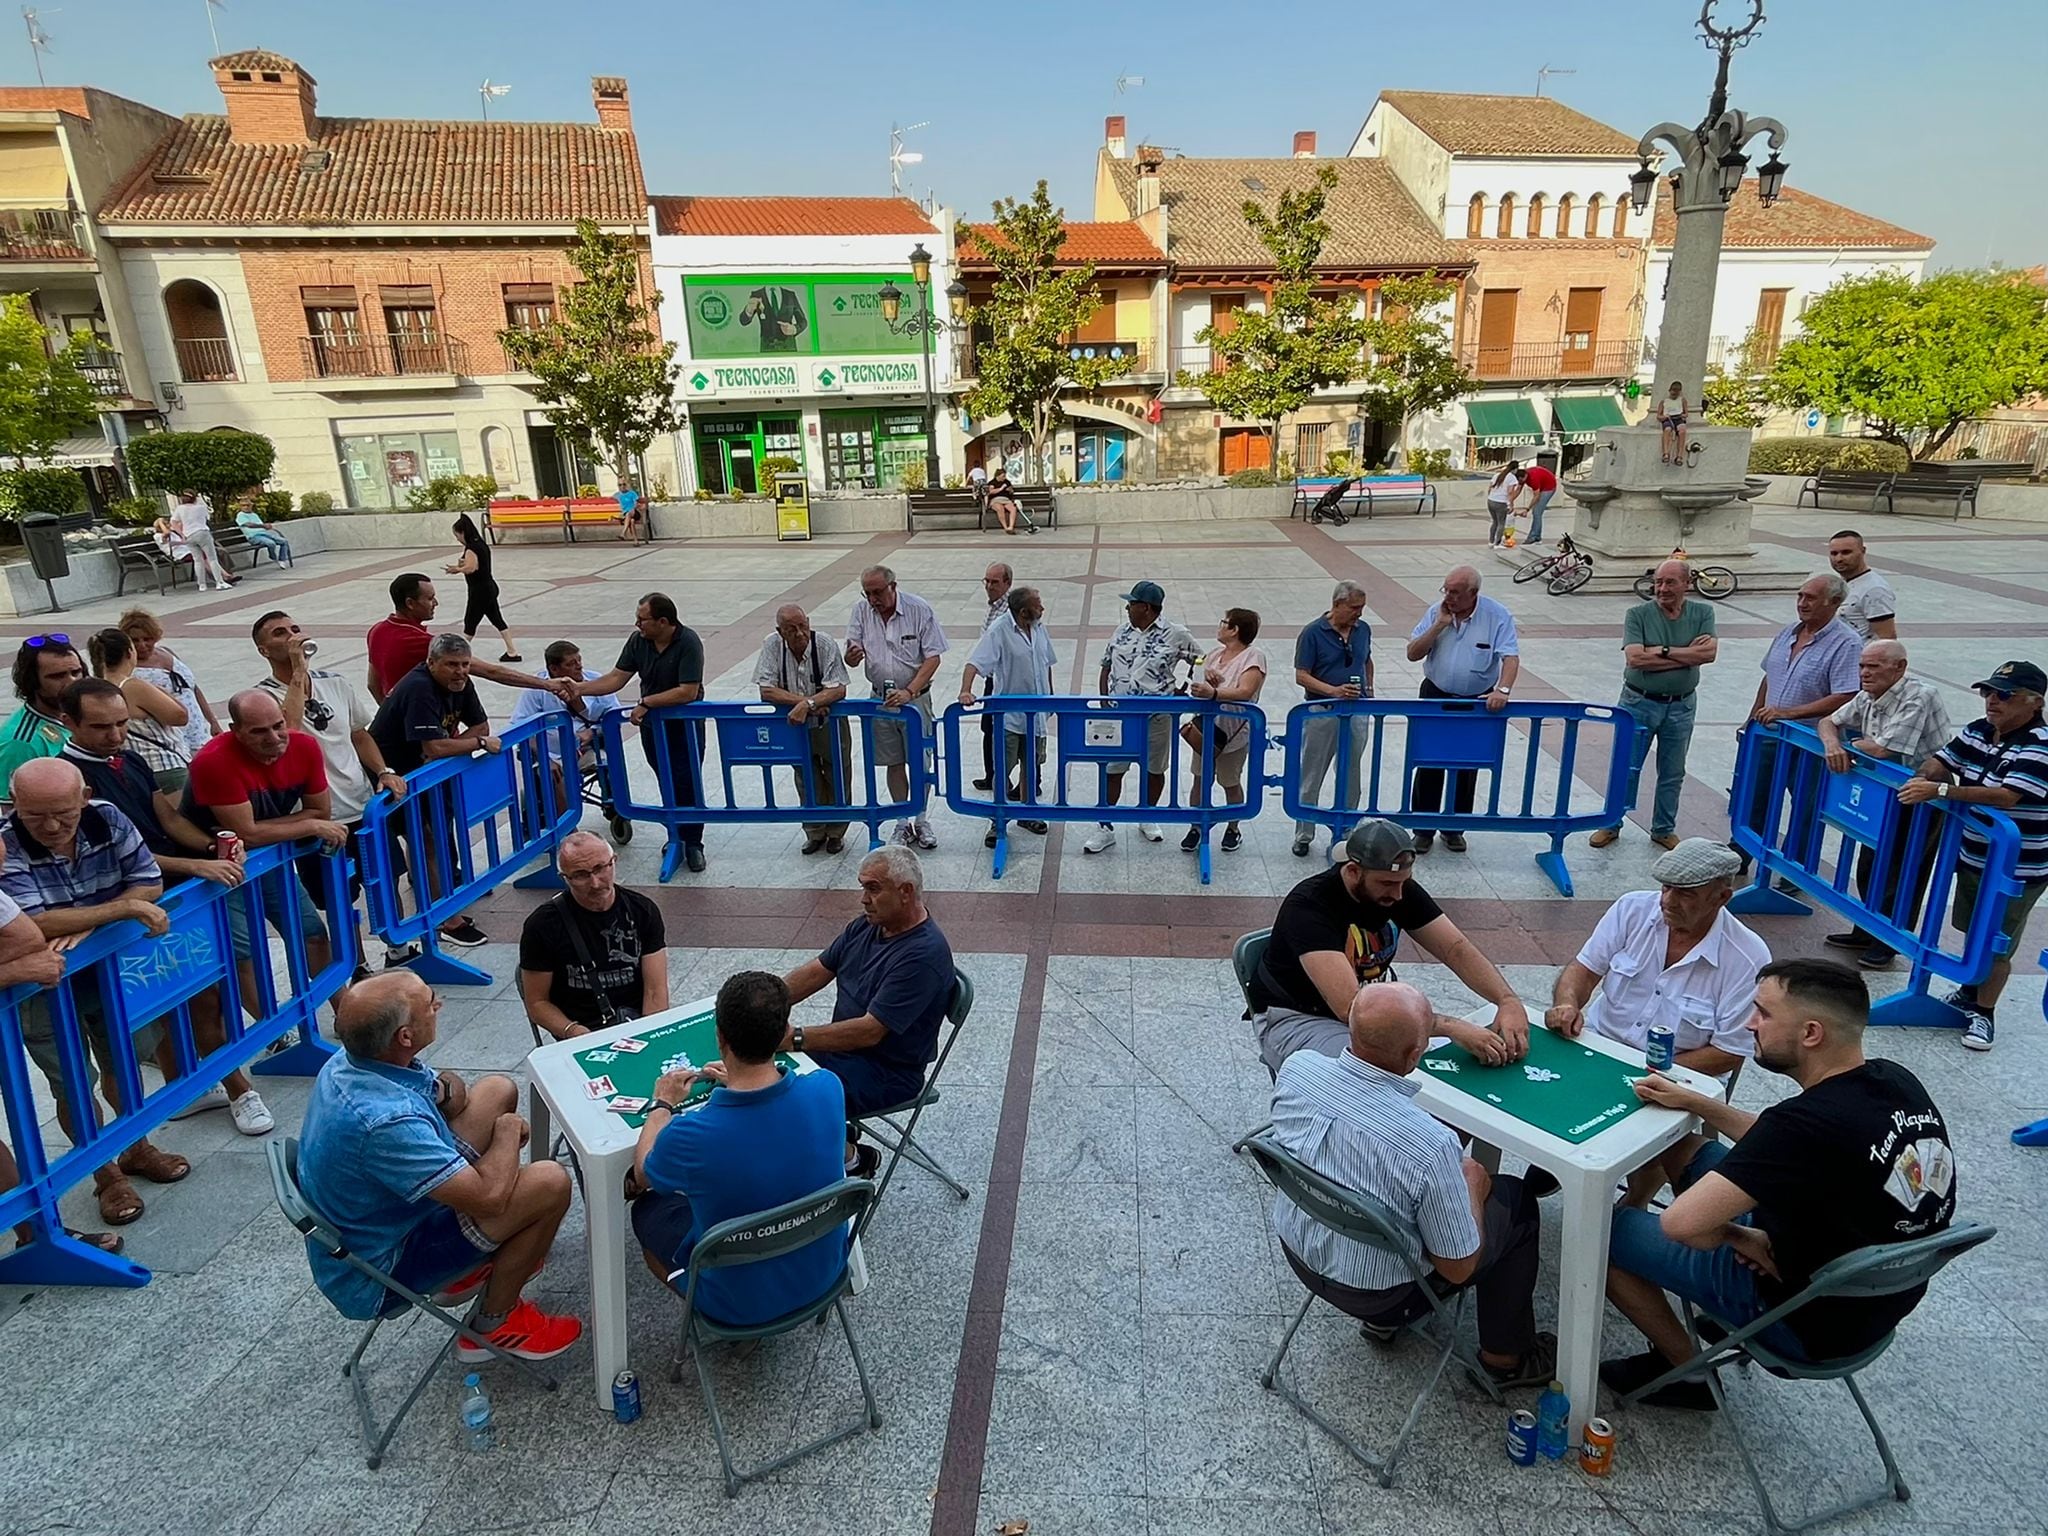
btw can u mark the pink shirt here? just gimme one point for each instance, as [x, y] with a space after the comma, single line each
[1225, 673]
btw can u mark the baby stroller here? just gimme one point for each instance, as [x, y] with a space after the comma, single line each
[1329, 507]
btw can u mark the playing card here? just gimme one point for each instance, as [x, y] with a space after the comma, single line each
[630, 1047]
[1539, 1074]
[680, 1062]
[627, 1104]
[603, 1058]
[600, 1088]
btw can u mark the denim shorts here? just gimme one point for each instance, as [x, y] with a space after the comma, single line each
[276, 904]
[445, 1246]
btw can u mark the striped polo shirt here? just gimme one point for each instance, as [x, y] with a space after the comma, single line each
[2019, 762]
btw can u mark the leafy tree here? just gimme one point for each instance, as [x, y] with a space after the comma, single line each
[1413, 369]
[1917, 360]
[1037, 305]
[218, 465]
[43, 396]
[1733, 392]
[25, 492]
[604, 377]
[1275, 359]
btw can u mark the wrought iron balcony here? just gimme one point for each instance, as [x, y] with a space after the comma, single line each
[392, 356]
[1552, 360]
[102, 369]
[42, 234]
[205, 359]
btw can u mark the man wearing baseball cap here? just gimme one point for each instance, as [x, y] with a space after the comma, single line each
[1337, 931]
[1140, 661]
[1999, 761]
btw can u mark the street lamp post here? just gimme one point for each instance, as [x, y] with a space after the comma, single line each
[925, 323]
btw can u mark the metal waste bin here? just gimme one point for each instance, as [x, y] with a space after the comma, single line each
[42, 535]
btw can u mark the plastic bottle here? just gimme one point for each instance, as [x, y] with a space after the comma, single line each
[476, 1413]
[1553, 1421]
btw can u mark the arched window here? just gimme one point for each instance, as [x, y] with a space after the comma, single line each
[1475, 217]
[1566, 206]
[1595, 205]
[199, 332]
[1621, 218]
[1506, 227]
[1536, 210]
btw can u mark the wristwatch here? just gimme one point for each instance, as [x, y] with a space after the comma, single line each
[1664, 651]
[1941, 790]
[796, 1038]
[1504, 690]
[674, 1109]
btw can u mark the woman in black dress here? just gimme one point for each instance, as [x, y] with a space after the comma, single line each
[474, 567]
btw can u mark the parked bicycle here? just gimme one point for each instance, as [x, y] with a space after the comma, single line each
[1568, 567]
[1712, 582]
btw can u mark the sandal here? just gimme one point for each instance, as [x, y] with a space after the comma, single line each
[154, 1164]
[106, 1242]
[119, 1203]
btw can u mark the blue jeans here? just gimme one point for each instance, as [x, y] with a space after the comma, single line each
[1711, 1278]
[1536, 516]
[1670, 722]
[263, 538]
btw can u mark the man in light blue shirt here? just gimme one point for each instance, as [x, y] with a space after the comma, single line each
[1468, 650]
[1015, 654]
[564, 659]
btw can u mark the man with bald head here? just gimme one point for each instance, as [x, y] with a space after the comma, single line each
[1664, 643]
[1352, 1117]
[805, 673]
[1469, 650]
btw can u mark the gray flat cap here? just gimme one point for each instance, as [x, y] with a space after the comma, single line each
[1697, 861]
[1377, 843]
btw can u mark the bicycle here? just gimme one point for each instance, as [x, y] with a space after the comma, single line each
[1713, 582]
[1569, 568]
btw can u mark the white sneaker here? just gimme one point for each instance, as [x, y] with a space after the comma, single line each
[214, 1098]
[1099, 839]
[1150, 833]
[252, 1115]
[906, 834]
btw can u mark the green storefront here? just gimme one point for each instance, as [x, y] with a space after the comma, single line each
[871, 449]
[731, 449]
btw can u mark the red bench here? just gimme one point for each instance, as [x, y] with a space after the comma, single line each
[565, 513]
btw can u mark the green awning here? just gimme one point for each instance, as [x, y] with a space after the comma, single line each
[1580, 416]
[1503, 423]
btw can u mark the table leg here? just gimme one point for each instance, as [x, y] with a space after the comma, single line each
[605, 1205]
[1588, 1199]
[540, 1127]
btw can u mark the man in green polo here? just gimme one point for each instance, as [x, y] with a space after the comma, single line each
[43, 668]
[1665, 642]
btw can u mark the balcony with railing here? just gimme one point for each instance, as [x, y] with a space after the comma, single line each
[42, 234]
[102, 370]
[427, 360]
[205, 359]
[1136, 356]
[1532, 361]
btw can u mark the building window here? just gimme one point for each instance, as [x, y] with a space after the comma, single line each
[199, 333]
[1566, 207]
[1595, 206]
[1100, 453]
[1245, 448]
[1308, 449]
[1621, 218]
[1770, 328]
[529, 306]
[381, 469]
[412, 327]
[1475, 217]
[1537, 208]
[1505, 229]
[334, 342]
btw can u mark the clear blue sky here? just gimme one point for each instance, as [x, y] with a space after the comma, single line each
[1912, 112]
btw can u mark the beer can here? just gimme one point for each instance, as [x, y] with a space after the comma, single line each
[625, 1397]
[1660, 1047]
[1596, 1449]
[310, 649]
[1522, 1438]
[226, 845]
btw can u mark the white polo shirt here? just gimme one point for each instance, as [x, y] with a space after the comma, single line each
[1706, 997]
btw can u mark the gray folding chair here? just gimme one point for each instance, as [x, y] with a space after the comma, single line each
[886, 1125]
[298, 1210]
[1245, 958]
[769, 1235]
[1364, 1219]
[1881, 1270]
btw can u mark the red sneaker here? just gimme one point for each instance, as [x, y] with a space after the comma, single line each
[469, 1284]
[527, 1332]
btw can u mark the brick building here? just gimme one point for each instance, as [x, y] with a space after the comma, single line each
[338, 284]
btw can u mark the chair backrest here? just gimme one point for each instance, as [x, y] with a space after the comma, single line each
[1349, 1213]
[771, 1234]
[1885, 1269]
[1245, 958]
[283, 1157]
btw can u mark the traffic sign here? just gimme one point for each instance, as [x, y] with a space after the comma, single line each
[1812, 417]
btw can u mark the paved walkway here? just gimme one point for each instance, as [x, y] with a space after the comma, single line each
[1077, 1344]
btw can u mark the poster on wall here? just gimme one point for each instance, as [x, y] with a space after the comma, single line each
[402, 468]
[779, 315]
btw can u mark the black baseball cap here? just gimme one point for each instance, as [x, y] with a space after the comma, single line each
[1146, 592]
[2016, 677]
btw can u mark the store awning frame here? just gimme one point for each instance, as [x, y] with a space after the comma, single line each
[93, 452]
[1503, 423]
[1580, 418]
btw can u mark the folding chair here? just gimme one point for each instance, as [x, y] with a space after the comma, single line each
[1363, 1219]
[298, 1210]
[770, 1235]
[1245, 958]
[882, 1124]
[1882, 1270]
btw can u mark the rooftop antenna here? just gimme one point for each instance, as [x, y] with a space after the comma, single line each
[38, 39]
[486, 91]
[211, 27]
[899, 157]
[1127, 80]
[1546, 72]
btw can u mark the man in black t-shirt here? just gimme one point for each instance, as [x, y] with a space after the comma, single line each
[618, 971]
[1338, 931]
[668, 659]
[1859, 1156]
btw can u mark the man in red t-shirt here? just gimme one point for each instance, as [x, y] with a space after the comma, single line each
[1544, 484]
[267, 784]
[399, 643]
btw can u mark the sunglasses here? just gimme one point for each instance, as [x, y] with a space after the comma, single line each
[2003, 695]
[37, 642]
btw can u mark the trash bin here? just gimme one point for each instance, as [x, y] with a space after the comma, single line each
[42, 535]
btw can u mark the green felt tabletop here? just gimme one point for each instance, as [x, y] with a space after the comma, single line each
[1561, 1086]
[634, 1073]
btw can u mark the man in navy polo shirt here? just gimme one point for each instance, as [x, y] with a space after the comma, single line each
[1330, 653]
[762, 1139]
[895, 975]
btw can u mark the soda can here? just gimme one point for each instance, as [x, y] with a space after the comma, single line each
[625, 1397]
[1660, 1047]
[310, 649]
[1522, 1438]
[226, 845]
[1596, 1449]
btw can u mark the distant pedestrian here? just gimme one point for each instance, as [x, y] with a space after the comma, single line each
[264, 535]
[473, 565]
[1664, 643]
[1543, 485]
[634, 526]
[1140, 660]
[1469, 650]
[190, 520]
[1500, 502]
[1235, 673]
[1332, 660]
[897, 637]
[995, 586]
[1872, 607]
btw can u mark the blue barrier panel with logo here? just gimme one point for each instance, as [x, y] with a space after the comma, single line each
[1848, 843]
[1541, 788]
[184, 983]
[733, 764]
[1108, 735]
[465, 824]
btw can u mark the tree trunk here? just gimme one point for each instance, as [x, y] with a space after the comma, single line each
[1940, 438]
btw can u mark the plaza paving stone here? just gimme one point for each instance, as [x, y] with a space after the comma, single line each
[1077, 1344]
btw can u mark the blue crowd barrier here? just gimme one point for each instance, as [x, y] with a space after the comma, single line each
[1784, 805]
[140, 979]
[1463, 735]
[2036, 1134]
[736, 752]
[1107, 735]
[481, 816]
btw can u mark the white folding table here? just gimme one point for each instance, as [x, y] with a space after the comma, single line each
[1587, 1173]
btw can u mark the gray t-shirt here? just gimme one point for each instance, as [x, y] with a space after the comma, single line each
[1870, 597]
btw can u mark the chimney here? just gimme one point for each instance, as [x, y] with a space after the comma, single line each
[1305, 145]
[1113, 137]
[614, 111]
[1148, 158]
[269, 98]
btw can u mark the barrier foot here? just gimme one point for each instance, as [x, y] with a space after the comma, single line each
[1913, 1009]
[1551, 862]
[1001, 861]
[1204, 857]
[546, 878]
[671, 859]
[439, 970]
[304, 1057]
[2035, 1135]
[1765, 900]
[60, 1259]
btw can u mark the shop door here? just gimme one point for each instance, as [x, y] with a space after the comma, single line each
[1497, 331]
[740, 465]
[1246, 448]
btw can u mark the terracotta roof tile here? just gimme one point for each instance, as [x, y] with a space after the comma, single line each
[1373, 221]
[790, 216]
[1507, 125]
[1105, 244]
[386, 171]
[1799, 221]
[259, 59]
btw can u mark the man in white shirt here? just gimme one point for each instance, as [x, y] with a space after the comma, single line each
[564, 659]
[900, 641]
[1140, 659]
[805, 673]
[1871, 608]
[1469, 649]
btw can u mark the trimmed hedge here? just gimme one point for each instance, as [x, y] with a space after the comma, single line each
[218, 465]
[24, 492]
[453, 493]
[1811, 455]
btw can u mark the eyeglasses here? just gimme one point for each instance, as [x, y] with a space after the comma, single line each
[37, 642]
[591, 873]
[2003, 695]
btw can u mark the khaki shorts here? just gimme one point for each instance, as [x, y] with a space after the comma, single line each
[39, 1033]
[1970, 880]
[891, 744]
[1158, 743]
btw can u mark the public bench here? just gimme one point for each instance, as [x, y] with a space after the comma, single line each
[565, 514]
[1035, 501]
[1365, 494]
[137, 554]
[1958, 491]
[1378, 488]
[1870, 485]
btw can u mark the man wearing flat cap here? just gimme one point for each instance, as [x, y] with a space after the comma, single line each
[1338, 931]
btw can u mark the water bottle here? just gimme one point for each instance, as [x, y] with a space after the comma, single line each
[1553, 1421]
[476, 1412]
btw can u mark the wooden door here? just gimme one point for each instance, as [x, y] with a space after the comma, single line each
[1497, 331]
[1223, 308]
[1581, 330]
[1770, 325]
[1245, 448]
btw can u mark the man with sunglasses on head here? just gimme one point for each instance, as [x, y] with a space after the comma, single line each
[43, 668]
[2000, 761]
